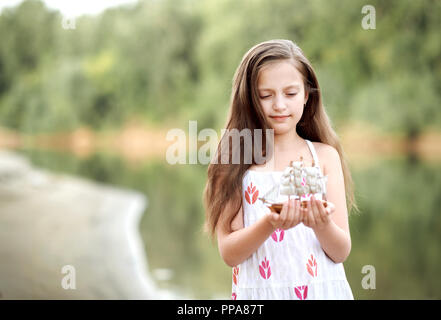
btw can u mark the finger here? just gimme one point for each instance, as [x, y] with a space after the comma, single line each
[310, 213]
[317, 209]
[322, 212]
[291, 210]
[288, 221]
[314, 210]
[297, 213]
[284, 214]
[304, 214]
[314, 207]
[330, 208]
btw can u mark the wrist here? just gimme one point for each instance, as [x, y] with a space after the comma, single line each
[267, 222]
[323, 227]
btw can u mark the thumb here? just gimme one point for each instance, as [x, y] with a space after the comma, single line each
[275, 217]
[331, 208]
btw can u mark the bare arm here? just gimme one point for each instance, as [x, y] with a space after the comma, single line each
[237, 243]
[334, 237]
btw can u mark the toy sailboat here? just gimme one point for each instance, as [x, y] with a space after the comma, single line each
[298, 181]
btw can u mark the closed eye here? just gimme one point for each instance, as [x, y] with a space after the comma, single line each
[288, 94]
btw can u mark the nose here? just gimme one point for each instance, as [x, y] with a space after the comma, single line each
[279, 103]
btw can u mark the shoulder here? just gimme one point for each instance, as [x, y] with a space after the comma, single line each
[328, 156]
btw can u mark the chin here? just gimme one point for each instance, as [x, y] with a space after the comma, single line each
[282, 129]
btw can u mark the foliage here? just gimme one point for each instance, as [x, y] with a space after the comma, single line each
[174, 61]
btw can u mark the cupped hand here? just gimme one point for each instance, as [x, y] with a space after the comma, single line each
[315, 215]
[289, 217]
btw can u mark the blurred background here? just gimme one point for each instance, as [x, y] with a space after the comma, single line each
[93, 95]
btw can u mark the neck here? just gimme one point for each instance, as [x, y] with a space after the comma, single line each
[288, 141]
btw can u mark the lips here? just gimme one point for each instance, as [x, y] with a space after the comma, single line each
[280, 118]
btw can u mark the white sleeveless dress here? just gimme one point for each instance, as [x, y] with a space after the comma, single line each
[290, 264]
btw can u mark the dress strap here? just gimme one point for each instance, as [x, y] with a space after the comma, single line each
[314, 153]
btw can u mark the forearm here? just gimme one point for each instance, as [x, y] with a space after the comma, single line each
[335, 241]
[241, 244]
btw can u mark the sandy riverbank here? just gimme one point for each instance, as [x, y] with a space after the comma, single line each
[49, 221]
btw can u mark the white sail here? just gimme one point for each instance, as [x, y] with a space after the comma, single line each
[271, 195]
[298, 180]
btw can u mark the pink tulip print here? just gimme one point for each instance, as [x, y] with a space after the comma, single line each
[306, 196]
[301, 292]
[311, 266]
[264, 269]
[235, 274]
[278, 235]
[251, 194]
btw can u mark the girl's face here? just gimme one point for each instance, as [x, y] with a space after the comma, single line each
[282, 95]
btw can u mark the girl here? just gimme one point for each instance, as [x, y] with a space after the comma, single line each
[297, 254]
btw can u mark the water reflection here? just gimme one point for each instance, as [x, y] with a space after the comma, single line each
[398, 231]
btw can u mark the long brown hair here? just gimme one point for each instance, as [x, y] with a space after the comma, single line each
[224, 183]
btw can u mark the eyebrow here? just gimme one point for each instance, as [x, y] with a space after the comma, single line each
[291, 86]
